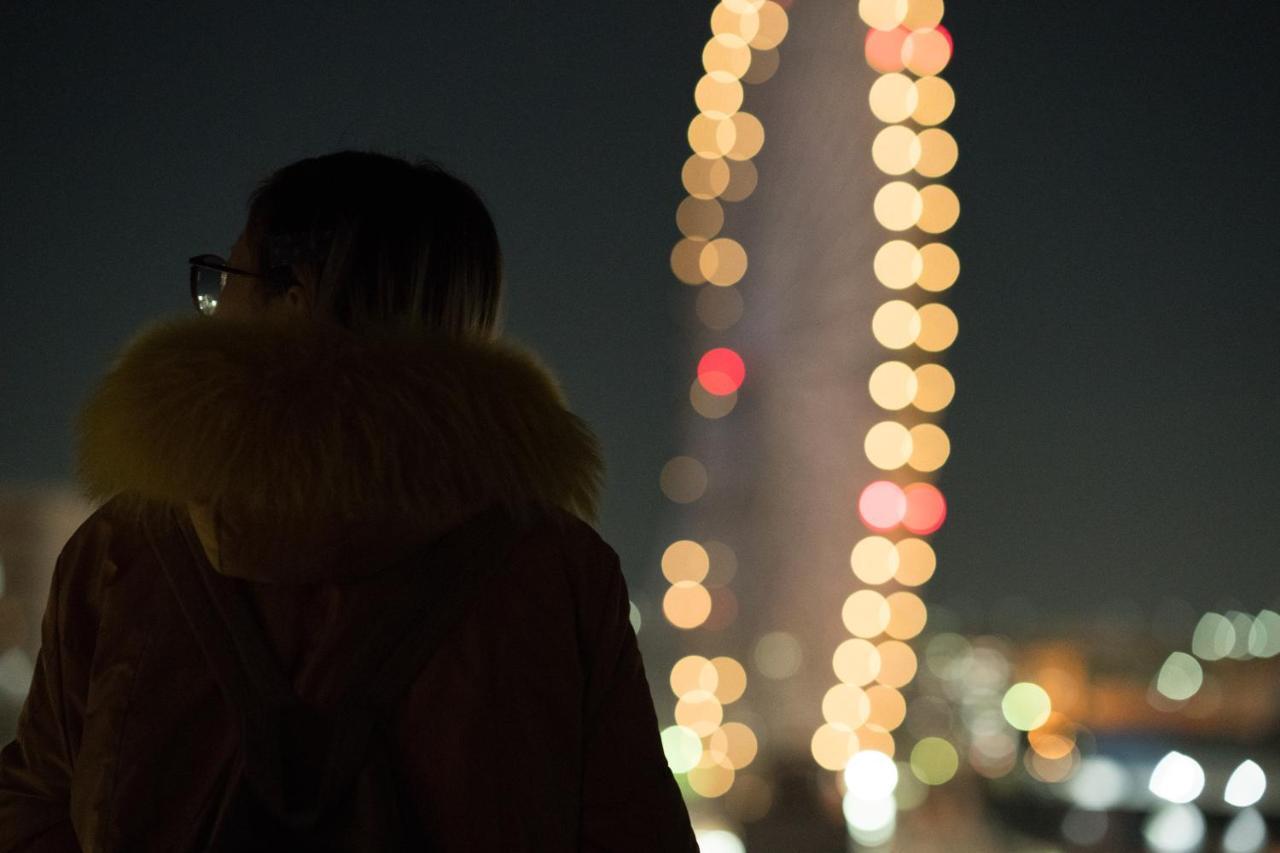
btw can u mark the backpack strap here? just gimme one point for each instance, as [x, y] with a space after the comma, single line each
[282, 737]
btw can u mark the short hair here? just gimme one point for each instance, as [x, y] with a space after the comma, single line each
[381, 241]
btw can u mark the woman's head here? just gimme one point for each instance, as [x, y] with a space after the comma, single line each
[367, 239]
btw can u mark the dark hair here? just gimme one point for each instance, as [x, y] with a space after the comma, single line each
[381, 241]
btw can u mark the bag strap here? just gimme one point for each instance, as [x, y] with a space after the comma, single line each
[441, 579]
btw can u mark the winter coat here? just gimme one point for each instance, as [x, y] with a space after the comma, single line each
[310, 460]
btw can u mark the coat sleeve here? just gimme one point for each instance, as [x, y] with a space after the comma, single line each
[630, 799]
[36, 766]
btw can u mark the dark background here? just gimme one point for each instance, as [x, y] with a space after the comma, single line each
[1117, 361]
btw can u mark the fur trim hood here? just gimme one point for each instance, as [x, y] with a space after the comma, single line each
[324, 454]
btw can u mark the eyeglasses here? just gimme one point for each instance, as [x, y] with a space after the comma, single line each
[208, 277]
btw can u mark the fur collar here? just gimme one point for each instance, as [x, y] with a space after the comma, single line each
[321, 453]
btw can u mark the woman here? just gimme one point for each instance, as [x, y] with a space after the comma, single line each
[346, 405]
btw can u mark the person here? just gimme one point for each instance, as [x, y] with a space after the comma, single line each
[343, 398]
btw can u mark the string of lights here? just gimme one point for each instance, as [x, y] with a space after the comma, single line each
[743, 49]
[907, 46]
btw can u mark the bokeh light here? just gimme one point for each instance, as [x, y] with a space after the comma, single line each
[898, 264]
[1180, 677]
[938, 153]
[907, 615]
[897, 663]
[1026, 706]
[939, 267]
[1174, 829]
[703, 218]
[939, 209]
[846, 704]
[683, 479]
[1100, 784]
[874, 560]
[773, 26]
[704, 178]
[764, 64]
[737, 742]
[731, 679]
[686, 604]
[682, 748]
[739, 19]
[711, 778]
[722, 261]
[718, 841]
[742, 180]
[726, 52]
[1246, 833]
[1055, 738]
[700, 711]
[935, 99]
[870, 776]
[938, 327]
[748, 137]
[1246, 786]
[899, 205]
[693, 672]
[888, 708]
[874, 738]
[710, 406]
[865, 613]
[721, 370]
[930, 447]
[923, 14]
[832, 745]
[1177, 778]
[935, 388]
[1214, 637]
[925, 52]
[882, 505]
[882, 14]
[934, 761]
[926, 508]
[896, 150]
[916, 561]
[685, 256]
[896, 324]
[856, 662]
[711, 137]
[718, 94]
[883, 49]
[719, 307]
[893, 98]
[888, 445]
[777, 655]
[893, 385]
[685, 560]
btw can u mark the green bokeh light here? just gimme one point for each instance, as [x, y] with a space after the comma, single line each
[1026, 706]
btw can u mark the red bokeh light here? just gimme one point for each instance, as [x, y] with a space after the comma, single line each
[884, 49]
[882, 505]
[926, 508]
[721, 371]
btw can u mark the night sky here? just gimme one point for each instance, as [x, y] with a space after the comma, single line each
[1112, 434]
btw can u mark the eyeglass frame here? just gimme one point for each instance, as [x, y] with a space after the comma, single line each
[217, 262]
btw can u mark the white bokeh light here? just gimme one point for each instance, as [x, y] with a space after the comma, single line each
[1174, 829]
[1246, 786]
[1100, 784]
[871, 775]
[1177, 778]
